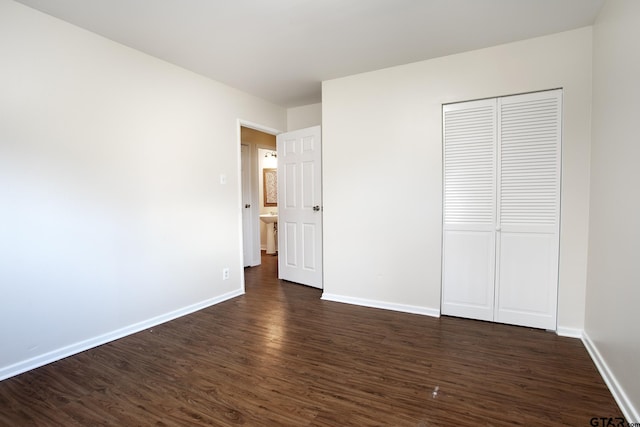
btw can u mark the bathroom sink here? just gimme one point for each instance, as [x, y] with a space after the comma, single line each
[268, 218]
[271, 221]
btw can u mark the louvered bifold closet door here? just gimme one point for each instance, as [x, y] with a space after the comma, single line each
[528, 208]
[469, 159]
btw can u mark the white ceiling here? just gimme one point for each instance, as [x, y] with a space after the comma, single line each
[281, 50]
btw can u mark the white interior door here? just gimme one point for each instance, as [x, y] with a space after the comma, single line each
[469, 158]
[247, 217]
[528, 189]
[300, 206]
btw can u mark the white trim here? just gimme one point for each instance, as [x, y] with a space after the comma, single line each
[413, 309]
[256, 126]
[569, 332]
[70, 350]
[626, 405]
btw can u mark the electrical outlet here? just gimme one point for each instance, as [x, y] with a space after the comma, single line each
[225, 273]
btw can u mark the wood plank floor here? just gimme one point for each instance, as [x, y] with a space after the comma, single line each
[279, 356]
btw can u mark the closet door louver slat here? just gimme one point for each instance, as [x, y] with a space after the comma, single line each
[529, 178]
[469, 156]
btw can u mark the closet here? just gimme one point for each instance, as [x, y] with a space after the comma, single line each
[501, 201]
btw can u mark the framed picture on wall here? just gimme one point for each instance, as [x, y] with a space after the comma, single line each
[270, 182]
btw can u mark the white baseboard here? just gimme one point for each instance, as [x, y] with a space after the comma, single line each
[569, 332]
[61, 353]
[383, 305]
[626, 406]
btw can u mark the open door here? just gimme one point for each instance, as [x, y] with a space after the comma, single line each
[300, 206]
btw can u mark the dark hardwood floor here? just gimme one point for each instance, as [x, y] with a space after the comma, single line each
[279, 356]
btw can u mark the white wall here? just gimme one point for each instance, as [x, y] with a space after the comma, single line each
[382, 166]
[304, 116]
[613, 288]
[112, 212]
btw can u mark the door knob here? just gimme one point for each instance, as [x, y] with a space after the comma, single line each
[316, 208]
[247, 206]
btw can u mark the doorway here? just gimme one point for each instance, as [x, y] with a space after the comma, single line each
[292, 189]
[258, 152]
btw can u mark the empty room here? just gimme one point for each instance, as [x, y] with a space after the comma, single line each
[323, 213]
